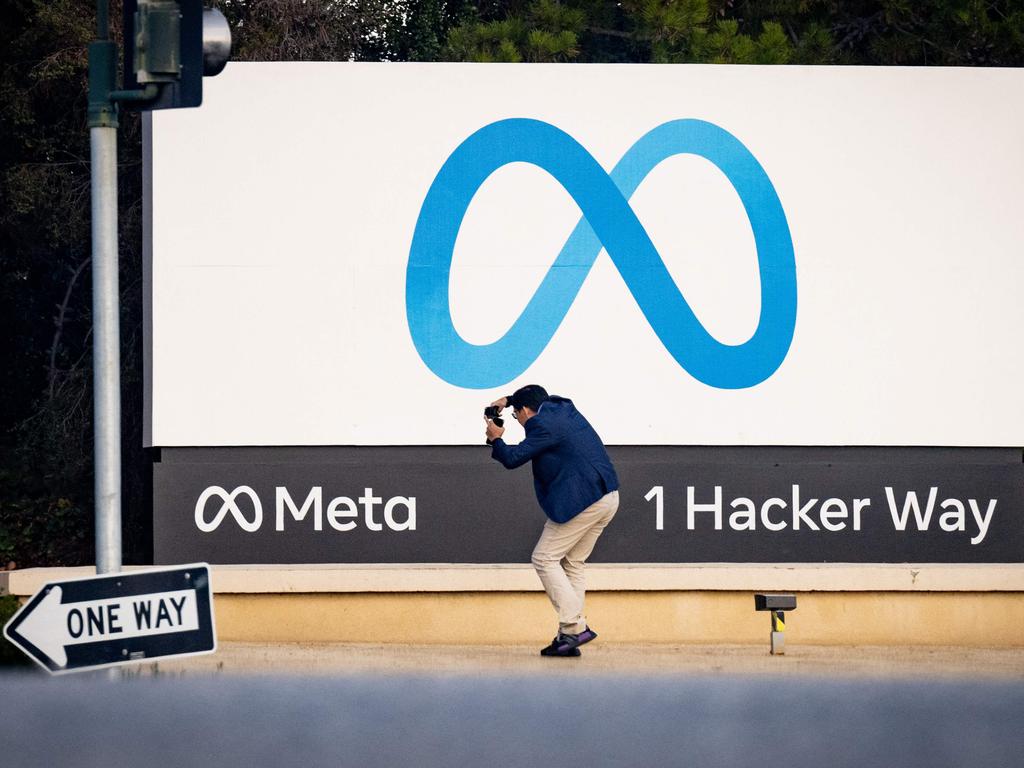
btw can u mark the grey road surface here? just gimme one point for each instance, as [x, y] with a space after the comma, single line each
[420, 720]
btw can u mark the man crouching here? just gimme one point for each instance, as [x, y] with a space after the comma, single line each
[577, 488]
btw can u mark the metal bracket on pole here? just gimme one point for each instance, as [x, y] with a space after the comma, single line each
[102, 81]
[149, 93]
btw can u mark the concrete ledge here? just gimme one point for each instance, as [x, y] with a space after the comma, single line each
[964, 619]
[412, 578]
[838, 604]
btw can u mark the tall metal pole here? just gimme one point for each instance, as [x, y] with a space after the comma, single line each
[103, 99]
[106, 349]
[105, 297]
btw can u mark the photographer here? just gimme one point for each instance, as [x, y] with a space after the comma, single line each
[577, 488]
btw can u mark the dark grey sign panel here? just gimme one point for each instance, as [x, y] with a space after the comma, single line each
[677, 505]
[81, 624]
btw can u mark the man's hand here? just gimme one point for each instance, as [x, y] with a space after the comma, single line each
[493, 430]
[501, 402]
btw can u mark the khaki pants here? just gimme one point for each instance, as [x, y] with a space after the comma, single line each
[560, 557]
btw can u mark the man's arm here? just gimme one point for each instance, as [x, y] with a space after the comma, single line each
[512, 456]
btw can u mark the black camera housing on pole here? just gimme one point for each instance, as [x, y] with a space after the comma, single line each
[777, 604]
[164, 46]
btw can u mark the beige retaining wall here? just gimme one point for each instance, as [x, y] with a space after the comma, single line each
[927, 604]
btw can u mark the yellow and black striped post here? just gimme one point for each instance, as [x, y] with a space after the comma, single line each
[777, 604]
[778, 639]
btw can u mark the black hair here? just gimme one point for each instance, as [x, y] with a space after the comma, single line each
[531, 396]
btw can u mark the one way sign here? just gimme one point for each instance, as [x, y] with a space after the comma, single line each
[99, 621]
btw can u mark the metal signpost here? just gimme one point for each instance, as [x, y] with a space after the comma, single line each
[102, 621]
[171, 45]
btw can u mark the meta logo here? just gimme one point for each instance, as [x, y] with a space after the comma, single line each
[340, 513]
[608, 221]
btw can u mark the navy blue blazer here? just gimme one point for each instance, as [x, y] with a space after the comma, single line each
[571, 468]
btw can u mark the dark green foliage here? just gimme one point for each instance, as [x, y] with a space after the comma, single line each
[415, 30]
[292, 30]
[546, 31]
[883, 32]
[45, 302]
[44, 288]
[661, 31]
[39, 530]
[898, 32]
[45, 296]
[9, 655]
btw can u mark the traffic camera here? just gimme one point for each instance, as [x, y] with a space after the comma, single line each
[172, 45]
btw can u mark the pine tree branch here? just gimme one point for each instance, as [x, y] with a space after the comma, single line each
[613, 33]
[59, 322]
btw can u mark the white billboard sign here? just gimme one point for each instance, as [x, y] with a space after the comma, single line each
[367, 254]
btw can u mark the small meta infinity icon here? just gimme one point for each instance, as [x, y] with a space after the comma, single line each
[228, 505]
[607, 221]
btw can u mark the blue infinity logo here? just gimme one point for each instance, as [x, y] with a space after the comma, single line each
[607, 220]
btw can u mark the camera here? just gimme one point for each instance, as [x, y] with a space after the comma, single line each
[493, 412]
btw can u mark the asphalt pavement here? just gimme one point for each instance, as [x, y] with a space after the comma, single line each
[530, 721]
